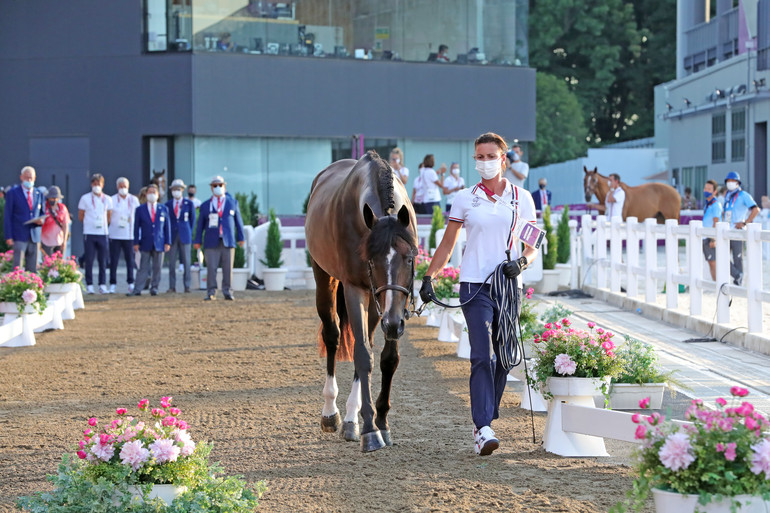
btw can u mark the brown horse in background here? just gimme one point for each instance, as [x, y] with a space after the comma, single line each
[361, 234]
[657, 200]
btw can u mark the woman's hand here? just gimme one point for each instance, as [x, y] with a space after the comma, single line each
[426, 290]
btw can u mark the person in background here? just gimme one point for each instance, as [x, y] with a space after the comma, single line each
[721, 195]
[688, 202]
[191, 190]
[152, 237]
[740, 209]
[220, 217]
[182, 213]
[397, 163]
[442, 56]
[121, 233]
[56, 227]
[23, 220]
[418, 192]
[95, 211]
[225, 43]
[518, 170]
[542, 196]
[712, 213]
[432, 183]
[452, 184]
[616, 198]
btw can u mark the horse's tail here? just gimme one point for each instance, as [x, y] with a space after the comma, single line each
[346, 340]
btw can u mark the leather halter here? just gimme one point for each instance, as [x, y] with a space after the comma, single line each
[391, 286]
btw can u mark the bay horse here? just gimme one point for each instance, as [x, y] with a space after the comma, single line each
[657, 200]
[361, 233]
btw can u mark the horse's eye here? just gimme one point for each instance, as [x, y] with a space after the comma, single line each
[409, 260]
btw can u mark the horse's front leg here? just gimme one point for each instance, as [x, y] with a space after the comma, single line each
[357, 305]
[388, 363]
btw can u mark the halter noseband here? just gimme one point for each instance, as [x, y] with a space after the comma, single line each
[390, 286]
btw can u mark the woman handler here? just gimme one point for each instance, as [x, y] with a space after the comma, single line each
[488, 223]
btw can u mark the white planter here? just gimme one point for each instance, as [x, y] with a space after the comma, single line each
[240, 277]
[626, 396]
[56, 290]
[195, 279]
[309, 279]
[9, 336]
[549, 283]
[672, 502]
[166, 492]
[537, 403]
[464, 346]
[11, 308]
[574, 391]
[434, 315]
[565, 273]
[275, 279]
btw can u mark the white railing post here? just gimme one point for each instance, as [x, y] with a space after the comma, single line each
[632, 257]
[694, 243]
[723, 272]
[752, 277]
[600, 251]
[616, 253]
[573, 253]
[650, 261]
[672, 263]
[587, 236]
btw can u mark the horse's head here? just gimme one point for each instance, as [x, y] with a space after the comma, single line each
[390, 249]
[590, 183]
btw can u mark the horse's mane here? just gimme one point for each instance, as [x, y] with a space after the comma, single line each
[383, 236]
[385, 190]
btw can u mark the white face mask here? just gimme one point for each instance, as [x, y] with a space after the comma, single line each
[515, 156]
[152, 197]
[488, 169]
[456, 171]
[731, 185]
[176, 193]
[123, 191]
[397, 160]
[218, 190]
[96, 189]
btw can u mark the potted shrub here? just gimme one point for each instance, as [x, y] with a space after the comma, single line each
[143, 463]
[436, 224]
[275, 275]
[550, 281]
[240, 271]
[563, 248]
[718, 462]
[62, 277]
[21, 293]
[447, 289]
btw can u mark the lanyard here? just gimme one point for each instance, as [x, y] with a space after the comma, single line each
[708, 204]
[513, 206]
[732, 200]
[220, 206]
[93, 202]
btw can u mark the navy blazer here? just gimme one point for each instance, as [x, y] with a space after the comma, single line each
[17, 212]
[186, 222]
[232, 224]
[149, 235]
[536, 197]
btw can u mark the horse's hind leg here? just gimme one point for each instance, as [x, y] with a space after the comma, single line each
[388, 363]
[326, 293]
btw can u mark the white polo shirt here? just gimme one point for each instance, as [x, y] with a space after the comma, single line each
[615, 209]
[95, 207]
[521, 167]
[122, 217]
[450, 182]
[487, 225]
[429, 177]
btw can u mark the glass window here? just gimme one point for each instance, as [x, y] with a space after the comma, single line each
[167, 25]
[718, 131]
[738, 135]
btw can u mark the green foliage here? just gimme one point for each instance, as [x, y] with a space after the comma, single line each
[436, 223]
[562, 237]
[560, 123]
[3, 246]
[641, 366]
[549, 259]
[274, 246]
[447, 283]
[555, 313]
[239, 260]
[254, 208]
[308, 260]
[304, 204]
[56, 269]
[18, 283]
[249, 207]
[76, 491]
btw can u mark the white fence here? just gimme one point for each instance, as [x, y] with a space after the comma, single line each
[608, 271]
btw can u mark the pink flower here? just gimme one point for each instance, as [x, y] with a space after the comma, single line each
[676, 452]
[720, 447]
[134, 454]
[610, 354]
[760, 460]
[730, 451]
[751, 424]
[640, 433]
[720, 401]
[607, 345]
[591, 325]
[644, 403]
[183, 437]
[548, 326]
[29, 296]
[121, 411]
[636, 418]
[157, 412]
[87, 432]
[600, 331]
[164, 450]
[556, 326]
[103, 451]
[564, 364]
[92, 421]
[566, 322]
[165, 401]
[182, 425]
[169, 421]
[143, 404]
[739, 392]
[175, 411]
[82, 455]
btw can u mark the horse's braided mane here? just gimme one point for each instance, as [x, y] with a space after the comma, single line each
[385, 189]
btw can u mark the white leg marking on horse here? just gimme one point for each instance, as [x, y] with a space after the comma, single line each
[330, 397]
[389, 293]
[353, 405]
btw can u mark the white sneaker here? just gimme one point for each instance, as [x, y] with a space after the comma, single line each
[90, 289]
[103, 289]
[485, 441]
[112, 288]
[130, 288]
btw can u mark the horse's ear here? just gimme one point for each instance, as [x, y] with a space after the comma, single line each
[596, 170]
[403, 215]
[585, 170]
[369, 218]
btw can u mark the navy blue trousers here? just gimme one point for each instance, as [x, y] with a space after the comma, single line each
[96, 245]
[118, 246]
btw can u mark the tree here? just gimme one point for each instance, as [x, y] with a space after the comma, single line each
[561, 128]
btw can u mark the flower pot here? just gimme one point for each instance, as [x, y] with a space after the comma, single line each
[434, 315]
[166, 492]
[578, 392]
[626, 396]
[446, 330]
[275, 279]
[195, 278]
[11, 308]
[10, 336]
[565, 273]
[309, 279]
[240, 277]
[464, 346]
[57, 290]
[549, 283]
[673, 502]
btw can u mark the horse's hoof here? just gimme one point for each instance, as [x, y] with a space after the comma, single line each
[331, 424]
[385, 433]
[350, 431]
[371, 441]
